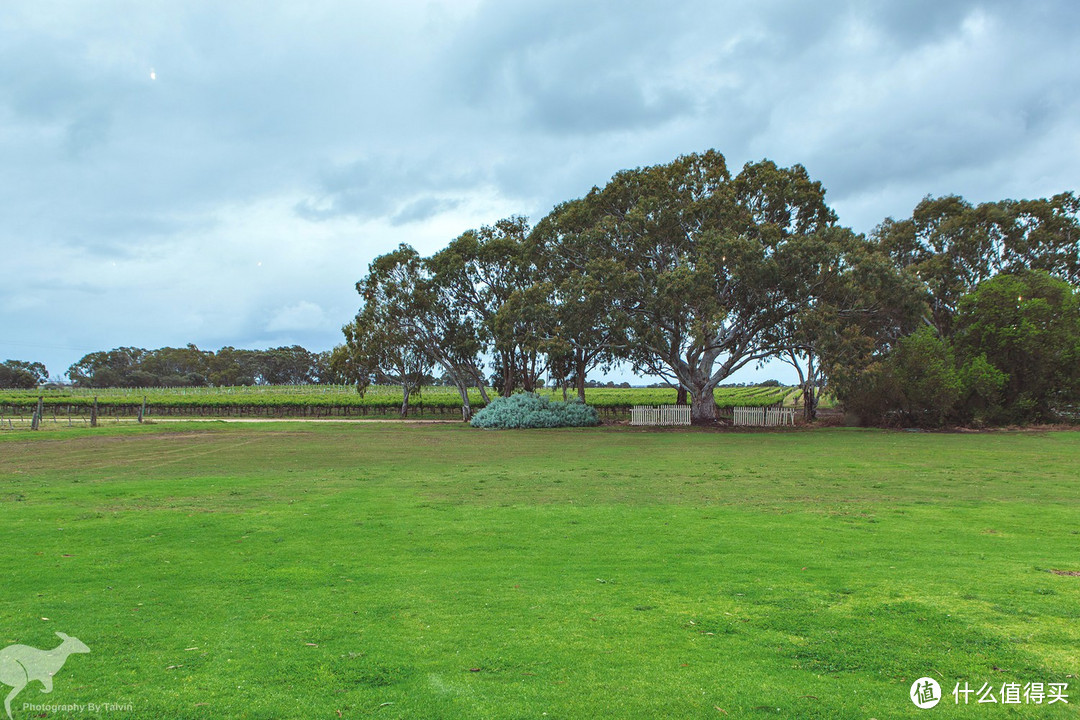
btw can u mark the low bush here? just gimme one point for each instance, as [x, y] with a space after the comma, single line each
[526, 410]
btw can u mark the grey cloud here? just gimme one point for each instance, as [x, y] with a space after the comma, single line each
[566, 67]
[390, 186]
[265, 119]
[917, 22]
[423, 209]
[87, 132]
[607, 103]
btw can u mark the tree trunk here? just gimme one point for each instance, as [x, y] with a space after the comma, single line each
[508, 374]
[810, 399]
[466, 410]
[809, 388]
[579, 373]
[681, 398]
[528, 377]
[404, 401]
[703, 407]
[479, 379]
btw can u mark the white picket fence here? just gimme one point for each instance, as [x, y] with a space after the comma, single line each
[764, 417]
[660, 415]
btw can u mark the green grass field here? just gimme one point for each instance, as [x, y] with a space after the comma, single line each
[399, 571]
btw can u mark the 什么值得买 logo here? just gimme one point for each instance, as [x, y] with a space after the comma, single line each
[925, 692]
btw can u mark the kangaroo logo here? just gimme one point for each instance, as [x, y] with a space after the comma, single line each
[21, 664]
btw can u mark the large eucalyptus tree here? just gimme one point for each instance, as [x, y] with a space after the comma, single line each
[705, 265]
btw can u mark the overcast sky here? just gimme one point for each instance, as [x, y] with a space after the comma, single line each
[222, 173]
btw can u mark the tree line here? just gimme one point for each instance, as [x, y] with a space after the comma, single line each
[689, 272]
[191, 367]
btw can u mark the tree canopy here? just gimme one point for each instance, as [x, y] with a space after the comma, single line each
[689, 272]
[703, 265]
[22, 374]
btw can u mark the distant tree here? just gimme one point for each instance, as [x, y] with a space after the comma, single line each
[109, 368]
[22, 374]
[173, 367]
[15, 374]
[291, 365]
[189, 366]
[344, 367]
[232, 367]
[324, 370]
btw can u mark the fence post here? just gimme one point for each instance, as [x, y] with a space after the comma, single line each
[35, 421]
[142, 409]
[93, 413]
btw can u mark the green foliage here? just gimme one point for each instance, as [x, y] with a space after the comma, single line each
[916, 384]
[869, 392]
[583, 324]
[952, 245]
[416, 305]
[1013, 356]
[1026, 327]
[485, 274]
[20, 373]
[23, 375]
[528, 410]
[377, 349]
[982, 385]
[925, 374]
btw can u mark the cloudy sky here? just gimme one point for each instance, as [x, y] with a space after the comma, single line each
[222, 173]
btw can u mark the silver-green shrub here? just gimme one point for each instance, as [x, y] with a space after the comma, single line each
[526, 410]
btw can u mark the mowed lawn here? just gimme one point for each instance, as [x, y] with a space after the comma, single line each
[436, 571]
